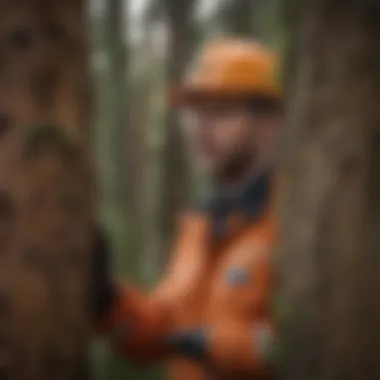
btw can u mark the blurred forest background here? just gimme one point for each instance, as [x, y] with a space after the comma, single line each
[140, 48]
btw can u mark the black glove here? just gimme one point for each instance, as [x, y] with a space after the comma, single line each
[103, 289]
[191, 344]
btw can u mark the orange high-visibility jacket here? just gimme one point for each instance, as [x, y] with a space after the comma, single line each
[223, 283]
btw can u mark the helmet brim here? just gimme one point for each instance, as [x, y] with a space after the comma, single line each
[188, 97]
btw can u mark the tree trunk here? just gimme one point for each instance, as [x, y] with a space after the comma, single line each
[176, 171]
[118, 104]
[46, 193]
[145, 128]
[121, 143]
[237, 17]
[329, 279]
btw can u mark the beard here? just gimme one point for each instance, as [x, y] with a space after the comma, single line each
[236, 166]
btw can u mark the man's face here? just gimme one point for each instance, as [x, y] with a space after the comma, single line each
[227, 138]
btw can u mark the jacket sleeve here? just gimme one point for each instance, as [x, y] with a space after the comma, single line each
[137, 324]
[242, 348]
[246, 346]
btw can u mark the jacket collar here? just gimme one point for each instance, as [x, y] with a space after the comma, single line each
[250, 200]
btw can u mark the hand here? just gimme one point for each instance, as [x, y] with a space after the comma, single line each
[103, 290]
[191, 344]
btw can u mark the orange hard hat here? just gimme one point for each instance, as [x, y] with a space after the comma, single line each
[230, 68]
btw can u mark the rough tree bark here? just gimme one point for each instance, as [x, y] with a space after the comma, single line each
[329, 282]
[45, 190]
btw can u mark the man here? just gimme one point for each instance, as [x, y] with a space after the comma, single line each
[210, 314]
